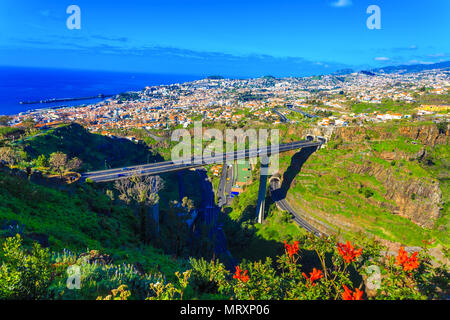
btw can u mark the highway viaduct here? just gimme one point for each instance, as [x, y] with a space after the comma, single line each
[171, 166]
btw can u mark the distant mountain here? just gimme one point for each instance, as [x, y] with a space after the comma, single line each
[368, 73]
[215, 77]
[413, 67]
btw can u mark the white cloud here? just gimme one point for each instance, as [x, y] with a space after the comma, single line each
[441, 54]
[382, 59]
[341, 3]
[419, 62]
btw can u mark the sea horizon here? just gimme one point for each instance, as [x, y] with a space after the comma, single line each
[35, 84]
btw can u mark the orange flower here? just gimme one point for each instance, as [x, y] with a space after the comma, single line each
[291, 249]
[313, 276]
[408, 263]
[348, 252]
[241, 276]
[349, 295]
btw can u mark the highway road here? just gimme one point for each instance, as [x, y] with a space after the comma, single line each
[221, 196]
[225, 185]
[302, 112]
[284, 205]
[282, 116]
[170, 166]
[229, 183]
[153, 136]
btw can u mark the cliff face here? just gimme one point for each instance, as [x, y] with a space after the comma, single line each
[390, 166]
[428, 135]
[416, 199]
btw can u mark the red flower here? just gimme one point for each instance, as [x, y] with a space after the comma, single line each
[315, 275]
[241, 276]
[291, 249]
[349, 295]
[408, 263]
[348, 252]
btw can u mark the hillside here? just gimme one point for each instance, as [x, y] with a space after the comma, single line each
[413, 67]
[389, 181]
[394, 188]
[88, 216]
[94, 150]
[78, 219]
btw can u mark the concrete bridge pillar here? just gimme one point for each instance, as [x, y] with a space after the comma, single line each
[262, 189]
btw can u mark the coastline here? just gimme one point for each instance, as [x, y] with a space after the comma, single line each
[35, 84]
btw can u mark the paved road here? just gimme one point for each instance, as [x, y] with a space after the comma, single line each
[284, 205]
[302, 112]
[229, 184]
[221, 196]
[153, 136]
[225, 185]
[170, 166]
[282, 116]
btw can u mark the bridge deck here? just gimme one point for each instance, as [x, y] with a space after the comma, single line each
[170, 166]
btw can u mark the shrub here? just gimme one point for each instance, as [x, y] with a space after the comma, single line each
[99, 279]
[344, 272]
[24, 274]
[42, 161]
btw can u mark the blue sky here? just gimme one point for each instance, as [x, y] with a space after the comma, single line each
[233, 38]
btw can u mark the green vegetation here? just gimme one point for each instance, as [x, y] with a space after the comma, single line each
[23, 275]
[103, 231]
[10, 132]
[337, 275]
[95, 151]
[248, 96]
[438, 99]
[384, 106]
[128, 96]
[346, 185]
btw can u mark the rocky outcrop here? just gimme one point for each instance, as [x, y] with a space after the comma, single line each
[428, 135]
[417, 200]
[96, 257]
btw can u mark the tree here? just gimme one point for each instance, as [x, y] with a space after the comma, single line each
[61, 164]
[8, 155]
[42, 161]
[58, 162]
[74, 164]
[4, 120]
[142, 190]
[188, 204]
[29, 125]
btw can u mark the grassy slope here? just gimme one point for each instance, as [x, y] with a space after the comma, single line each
[92, 149]
[328, 190]
[84, 218]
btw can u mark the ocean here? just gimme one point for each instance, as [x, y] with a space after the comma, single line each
[35, 84]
